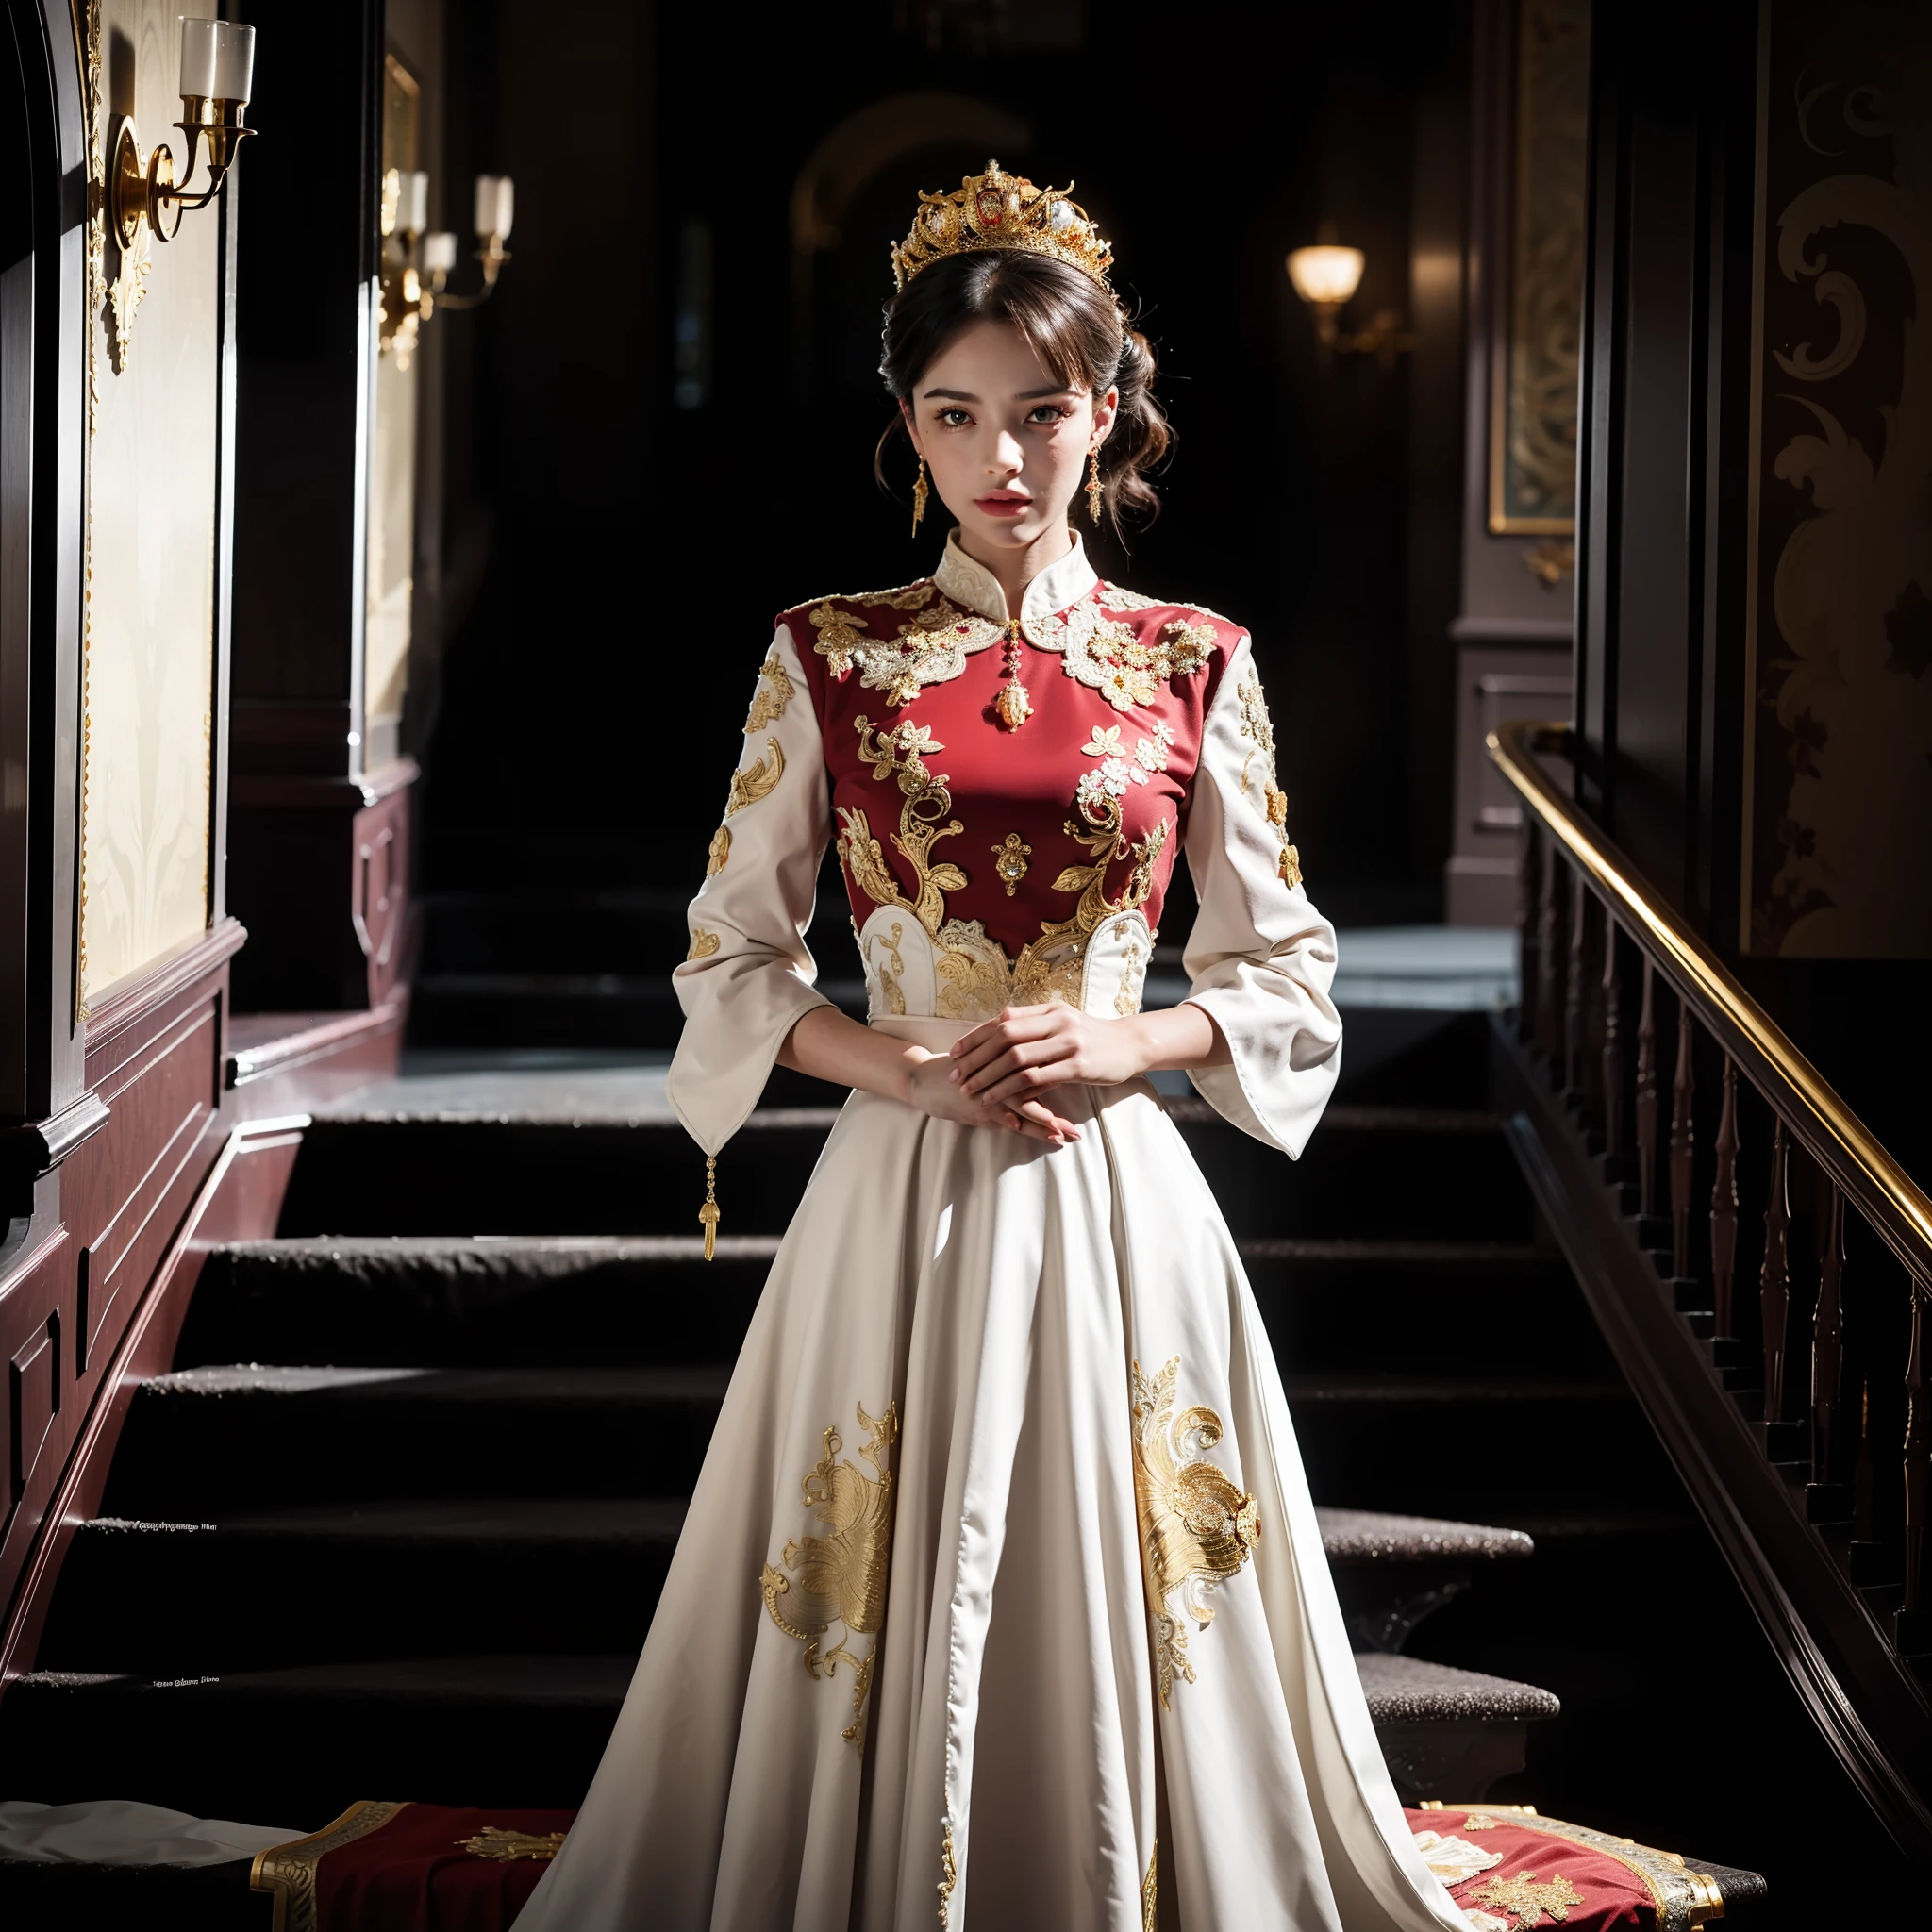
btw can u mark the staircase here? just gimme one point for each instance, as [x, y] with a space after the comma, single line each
[384, 1523]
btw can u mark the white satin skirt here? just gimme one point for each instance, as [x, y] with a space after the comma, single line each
[1001, 1602]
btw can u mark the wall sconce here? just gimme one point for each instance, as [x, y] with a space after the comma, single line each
[416, 266]
[217, 66]
[1325, 276]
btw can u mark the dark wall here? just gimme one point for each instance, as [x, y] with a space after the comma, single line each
[641, 545]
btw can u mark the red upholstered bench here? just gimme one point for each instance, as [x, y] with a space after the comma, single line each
[435, 1868]
[1509, 1868]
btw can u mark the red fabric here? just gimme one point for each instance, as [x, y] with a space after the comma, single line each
[1031, 772]
[1613, 1893]
[414, 1875]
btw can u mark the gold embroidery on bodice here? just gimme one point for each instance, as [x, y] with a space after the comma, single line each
[1197, 1530]
[976, 977]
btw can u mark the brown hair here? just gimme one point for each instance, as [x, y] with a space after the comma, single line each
[1079, 331]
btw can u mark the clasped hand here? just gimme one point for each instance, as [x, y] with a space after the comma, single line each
[996, 1075]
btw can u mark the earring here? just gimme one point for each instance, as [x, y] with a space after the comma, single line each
[1095, 489]
[919, 496]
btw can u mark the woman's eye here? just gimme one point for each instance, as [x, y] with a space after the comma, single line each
[952, 419]
[1048, 413]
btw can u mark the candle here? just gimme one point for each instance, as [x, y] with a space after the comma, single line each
[415, 203]
[234, 60]
[439, 252]
[198, 56]
[495, 204]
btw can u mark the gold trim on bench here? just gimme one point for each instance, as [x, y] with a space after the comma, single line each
[288, 1870]
[1684, 1899]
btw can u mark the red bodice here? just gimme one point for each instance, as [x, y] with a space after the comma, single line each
[905, 684]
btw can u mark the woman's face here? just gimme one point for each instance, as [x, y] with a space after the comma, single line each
[1005, 443]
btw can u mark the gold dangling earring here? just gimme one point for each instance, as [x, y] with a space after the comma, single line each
[1095, 489]
[919, 496]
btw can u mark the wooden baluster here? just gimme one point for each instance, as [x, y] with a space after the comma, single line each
[1918, 1451]
[1613, 1040]
[1723, 1203]
[1774, 1277]
[1646, 1092]
[1683, 1148]
[1574, 1005]
[1827, 1326]
[1549, 963]
[1528, 952]
[1863, 1483]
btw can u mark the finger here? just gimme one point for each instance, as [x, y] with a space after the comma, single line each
[1035, 1110]
[997, 1037]
[1025, 1082]
[1025, 1053]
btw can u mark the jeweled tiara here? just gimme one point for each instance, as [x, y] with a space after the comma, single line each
[1000, 210]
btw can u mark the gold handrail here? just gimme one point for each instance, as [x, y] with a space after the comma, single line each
[1809, 1105]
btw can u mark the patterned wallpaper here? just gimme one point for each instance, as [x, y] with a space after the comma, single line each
[151, 540]
[1839, 742]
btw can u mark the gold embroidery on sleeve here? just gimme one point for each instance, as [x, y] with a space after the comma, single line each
[772, 694]
[1197, 1530]
[755, 781]
[703, 944]
[841, 1576]
[1258, 728]
[949, 1864]
[1149, 1887]
[719, 852]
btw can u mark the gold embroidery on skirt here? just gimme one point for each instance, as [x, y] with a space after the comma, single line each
[1196, 1528]
[1149, 1887]
[949, 1864]
[841, 1576]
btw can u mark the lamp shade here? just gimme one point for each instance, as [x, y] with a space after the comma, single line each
[415, 211]
[198, 56]
[1325, 275]
[439, 252]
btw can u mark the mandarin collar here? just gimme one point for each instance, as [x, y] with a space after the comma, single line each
[965, 580]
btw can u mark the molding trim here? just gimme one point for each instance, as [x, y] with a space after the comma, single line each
[130, 1000]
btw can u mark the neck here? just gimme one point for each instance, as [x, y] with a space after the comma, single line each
[1017, 568]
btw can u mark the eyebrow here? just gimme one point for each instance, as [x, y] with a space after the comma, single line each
[1025, 395]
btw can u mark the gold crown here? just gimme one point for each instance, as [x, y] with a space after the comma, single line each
[1000, 210]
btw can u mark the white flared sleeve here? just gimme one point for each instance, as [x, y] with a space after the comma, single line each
[750, 975]
[1261, 958]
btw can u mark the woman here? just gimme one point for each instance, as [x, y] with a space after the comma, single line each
[1001, 1601]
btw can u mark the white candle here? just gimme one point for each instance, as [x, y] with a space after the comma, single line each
[198, 56]
[234, 60]
[439, 252]
[415, 203]
[495, 204]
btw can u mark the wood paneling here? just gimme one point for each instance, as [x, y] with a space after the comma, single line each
[33, 1400]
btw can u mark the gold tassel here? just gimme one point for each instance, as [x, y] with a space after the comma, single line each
[1012, 707]
[709, 1213]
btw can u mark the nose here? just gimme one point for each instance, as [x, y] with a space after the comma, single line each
[1007, 457]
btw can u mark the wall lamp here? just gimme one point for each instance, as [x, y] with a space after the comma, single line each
[217, 67]
[1325, 276]
[416, 265]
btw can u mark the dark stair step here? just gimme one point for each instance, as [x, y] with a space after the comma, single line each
[1392, 1571]
[1443, 1173]
[208, 1440]
[338, 1584]
[526, 1730]
[525, 1167]
[1350, 1307]
[1467, 1447]
[335, 1584]
[304, 1743]
[435, 1300]
[557, 1299]
[36, 1897]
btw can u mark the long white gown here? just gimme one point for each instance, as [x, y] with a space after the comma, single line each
[1002, 1566]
